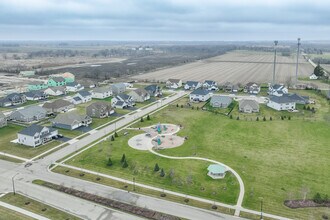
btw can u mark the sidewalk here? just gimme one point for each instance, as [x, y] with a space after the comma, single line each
[23, 211]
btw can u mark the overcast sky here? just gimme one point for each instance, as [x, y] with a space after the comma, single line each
[214, 20]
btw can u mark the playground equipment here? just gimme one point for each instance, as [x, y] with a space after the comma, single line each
[159, 128]
[159, 141]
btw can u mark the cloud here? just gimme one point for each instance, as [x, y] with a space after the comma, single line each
[154, 19]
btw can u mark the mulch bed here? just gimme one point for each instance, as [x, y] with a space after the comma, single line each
[295, 204]
[146, 213]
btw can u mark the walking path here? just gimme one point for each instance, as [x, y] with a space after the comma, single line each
[23, 211]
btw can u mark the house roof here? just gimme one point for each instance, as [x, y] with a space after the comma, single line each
[58, 79]
[174, 80]
[285, 98]
[222, 99]
[34, 94]
[249, 84]
[14, 95]
[248, 102]
[101, 89]
[58, 88]
[217, 168]
[277, 86]
[59, 103]
[35, 83]
[200, 92]
[152, 88]
[72, 84]
[123, 96]
[210, 82]
[70, 117]
[298, 98]
[31, 130]
[76, 98]
[99, 105]
[31, 111]
[141, 92]
[119, 85]
[84, 93]
[192, 83]
[120, 103]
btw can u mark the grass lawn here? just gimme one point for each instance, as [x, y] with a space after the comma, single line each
[10, 214]
[9, 133]
[186, 176]
[35, 207]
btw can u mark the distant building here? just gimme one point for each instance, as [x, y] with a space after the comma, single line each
[101, 92]
[99, 110]
[36, 135]
[252, 88]
[313, 76]
[68, 77]
[36, 86]
[192, 85]
[71, 120]
[220, 101]
[154, 90]
[280, 103]
[73, 87]
[12, 99]
[55, 91]
[29, 114]
[174, 83]
[199, 95]
[118, 88]
[36, 95]
[230, 87]
[58, 106]
[56, 81]
[122, 101]
[210, 85]
[139, 95]
[82, 97]
[248, 106]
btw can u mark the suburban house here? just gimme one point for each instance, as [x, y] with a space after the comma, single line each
[248, 106]
[99, 110]
[118, 88]
[230, 87]
[313, 76]
[252, 88]
[36, 86]
[58, 106]
[36, 135]
[68, 77]
[154, 90]
[283, 102]
[3, 120]
[192, 85]
[29, 114]
[56, 81]
[35, 95]
[12, 99]
[199, 95]
[27, 73]
[73, 87]
[140, 95]
[298, 99]
[122, 101]
[55, 91]
[216, 171]
[277, 90]
[71, 120]
[101, 92]
[174, 83]
[82, 97]
[210, 85]
[220, 101]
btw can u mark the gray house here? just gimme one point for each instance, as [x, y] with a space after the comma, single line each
[139, 95]
[219, 101]
[248, 106]
[118, 88]
[36, 135]
[71, 120]
[3, 120]
[154, 90]
[58, 106]
[29, 114]
[99, 110]
[36, 95]
[12, 99]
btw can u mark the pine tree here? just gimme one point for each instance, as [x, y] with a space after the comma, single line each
[123, 158]
[270, 118]
[148, 117]
[116, 134]
[142, 119]
[264, 119]
[112, 138]
[109, 162]
[162, 173]
[156, 169]
[257, 118]
[125, 164]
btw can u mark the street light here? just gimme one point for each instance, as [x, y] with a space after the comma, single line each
[12, 180]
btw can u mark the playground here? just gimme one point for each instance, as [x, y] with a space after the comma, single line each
[159, 136]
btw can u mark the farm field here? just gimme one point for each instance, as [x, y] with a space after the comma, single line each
[236, 67]
[262, 152]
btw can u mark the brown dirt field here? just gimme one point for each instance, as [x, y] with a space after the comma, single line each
[236, 67]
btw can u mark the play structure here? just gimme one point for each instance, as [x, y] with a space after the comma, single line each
[160, 128]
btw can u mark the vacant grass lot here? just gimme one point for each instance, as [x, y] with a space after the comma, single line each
[9, 133]
[9, 214]
[35, 207]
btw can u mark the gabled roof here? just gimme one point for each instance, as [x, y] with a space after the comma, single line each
[200, 92]
[124, 96]
[76, 98]
[101, 89]
[99, 105]
[14, 95]
[36, 83]
[174, 80]
[70, 117]
[72, 84]
[141, 92]
[152, 88]
[58, 79]
[31, 111]
[84, 93]
[31, 130]
[59, 103]
[210, 82]
[57, 88]
[248, 102]
[192, 83]
[277, 86]
[221, 99]
[285, 98]
[249, 84]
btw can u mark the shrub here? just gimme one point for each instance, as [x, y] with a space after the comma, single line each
[116, 134]
[123, 158]
[197, 107]
[289, 118]
[109, 162]
[148, 117]
[264, 119]
[181, 106]
[177, 105]
[317, 198]
[257, 118]
[125, 165]
[142, 120]
[237, 118]
[156, 169]
[112, 138]
[282, 118]
[308, 108]
[162, 173]
[270, 118]
[231, 116]
[304, 107]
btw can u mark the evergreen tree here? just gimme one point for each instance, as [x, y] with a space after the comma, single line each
[109, 162]
[156, 169]
[142, 119]
[148, 117]
[237, 118]
[162, 173]
[231, 116]
[112, 138]
[257, 118]
[123, 158]
[116, 135]
[289, 118]
[264, 119]
[125, 165]
[270, 118]
[318, 71]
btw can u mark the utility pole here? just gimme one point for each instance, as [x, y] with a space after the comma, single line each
[297, 61]
[275, 44]
[12, 180]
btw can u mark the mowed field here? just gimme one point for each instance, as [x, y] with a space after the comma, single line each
[236, 67]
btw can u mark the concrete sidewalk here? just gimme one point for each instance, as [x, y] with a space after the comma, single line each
[23, 211]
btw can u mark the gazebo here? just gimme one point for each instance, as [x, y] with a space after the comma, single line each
[216, 171]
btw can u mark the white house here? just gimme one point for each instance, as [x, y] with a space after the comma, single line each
[199, 95]
[313, 76]
[280, 103]
[192, 85]
[82, 97]
[101, 92]
[277, 90]
[36, 135]
[210, 85]
[140, 95]
[74, 87]
[252, 88]
[122, 101]
[174, 83]
[55, 91]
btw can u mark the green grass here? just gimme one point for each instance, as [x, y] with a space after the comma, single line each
[35, 207]
[189, 176]
[7, 214]
[9, 133]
